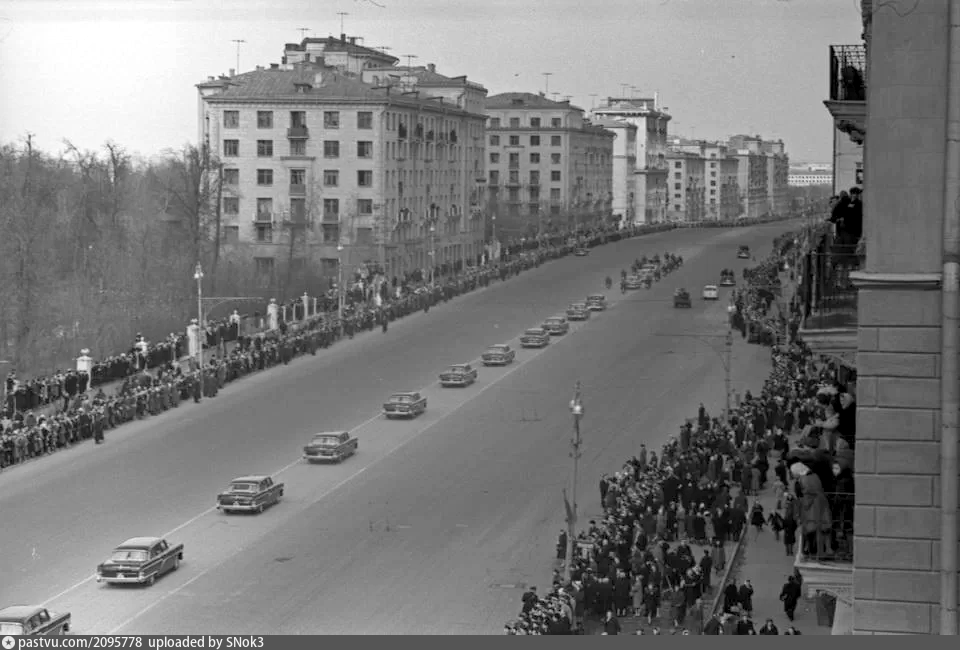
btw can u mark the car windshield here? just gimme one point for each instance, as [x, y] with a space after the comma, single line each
[458, 368]
[498, 348]
[327, 441]
[129, 555]
[402, 398]
[553, 321]
[595, 298]
[535, 332]
[8, 628]
[243, 486]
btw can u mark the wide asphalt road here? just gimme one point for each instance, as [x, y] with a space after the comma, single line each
[437, 523]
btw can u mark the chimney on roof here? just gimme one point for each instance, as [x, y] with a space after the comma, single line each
[432, 67]
[210, 78]
[274, 66]
[232, 72]
[543, 94]
[353, 40]
[343, 38]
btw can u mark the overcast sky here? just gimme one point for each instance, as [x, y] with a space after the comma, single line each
[92, 71]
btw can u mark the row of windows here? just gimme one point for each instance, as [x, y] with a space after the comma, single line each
[298, 207]
[535, 123]
[331, 177]
[555, 158]
[514, 141]
[298, 119]
[331, 148]
[679, 175]
[515, 177]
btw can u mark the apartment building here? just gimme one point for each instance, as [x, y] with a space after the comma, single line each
[751, 175]
[721, 174]
[687, 186]
[650, 183]
[547, 166]
[315, 158]
[624, 169]
[778, 176]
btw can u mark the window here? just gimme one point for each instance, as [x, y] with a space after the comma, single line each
[514, 122]
[535, 158]
[555, 158]
[231, 176]
[231, 234]
[364, 206]
[713, 174]
[231, 205]
[535, 195]
[494, 177]
[494, 140]
[365, 178]
[265, 148]
[534, 140]
[713, 191]
[514, 140]
[494, 158]
[364, 120]
[331, 119]
[554, 193]
[713, 201]
[331, 178]
[677, 186]
[298, 147]
[678, 164]
[556, 122]
[331, 208]
[298, 176]
[534, 178]
[535, 122]
[298, 210]
[298, 119]
[265, 177]
[676, 207]
[494, 123]
[678, 175]
[331, 148]
[331, 234]
[364, 149]
[514, 160]
[555, 175]
[713, 183]
[231, 119]
[265, 208]
[556, 140]
[678, 196]
[264, 119]
[231, 148]
[264, 266]
[514, 177]
[712, 165]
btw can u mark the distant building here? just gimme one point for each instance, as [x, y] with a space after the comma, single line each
[687, 186]
[624, 169]
[805, 178]
[778, 172]
[547, 166]
[720, 177]
[315, 158]
[650, 183]
[752, 175]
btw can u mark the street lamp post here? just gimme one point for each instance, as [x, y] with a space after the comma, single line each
[340, 289]
[576, 409]
[433, 254]
[198, 276]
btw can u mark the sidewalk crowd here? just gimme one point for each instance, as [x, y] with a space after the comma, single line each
[46, 414]
[651, 562]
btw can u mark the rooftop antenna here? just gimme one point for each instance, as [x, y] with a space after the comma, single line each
[342, 14]
[410, 58]
[303, 32]
[239, 42]
[623, 90]
[555, 95]
[567, 98]
[546, 82]
[593, 101]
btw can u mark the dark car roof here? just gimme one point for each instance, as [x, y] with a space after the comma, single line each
[139, 542]
[18, 613]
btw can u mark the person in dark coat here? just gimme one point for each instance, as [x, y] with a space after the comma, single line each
[731, 597]
[769, 628]
[790, 526]
[706, 569]
[611, 625]
[621, 594]
[713, 627]
[530, 600]
[790, 596]
[745, 596]
[745, 625]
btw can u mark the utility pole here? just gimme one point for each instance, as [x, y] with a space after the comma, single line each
[546, 82]
[576, 409]
[239, 42]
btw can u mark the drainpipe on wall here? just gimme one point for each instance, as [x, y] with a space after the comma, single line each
[950, 340]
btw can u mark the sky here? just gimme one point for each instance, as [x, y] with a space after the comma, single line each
[125, 71]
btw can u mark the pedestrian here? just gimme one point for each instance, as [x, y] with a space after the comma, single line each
[611, 625]
[745, 625]
[790, 596]
[745, 597]
[776, 524]
[706, 569]
[731, 597]
[789, 532]
[769, 628]
[756, 517]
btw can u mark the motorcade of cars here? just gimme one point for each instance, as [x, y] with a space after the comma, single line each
[743, 253]
[578, 311]
[535, 337]
[711, 292]
[597, 302]
[635, 282]
[458, 375]
[556, 325]
[32, 620]
[140, 560]
[405, 405]
[500, 354]
[330, 447]
[250, 494]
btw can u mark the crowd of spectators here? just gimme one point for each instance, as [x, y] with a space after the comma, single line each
[657, 552]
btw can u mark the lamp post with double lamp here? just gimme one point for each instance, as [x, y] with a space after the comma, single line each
[340, 289]
[433, 254]
[576, 409]
[198, 276]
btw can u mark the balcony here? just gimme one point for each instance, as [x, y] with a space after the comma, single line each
[513, 182]
[848, 90]
[298, 133]
[828, 299]
[297, 189]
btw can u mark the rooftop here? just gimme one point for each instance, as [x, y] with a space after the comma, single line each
[342, 44]
[526, 100]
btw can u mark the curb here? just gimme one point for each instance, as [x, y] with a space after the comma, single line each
[731, 561]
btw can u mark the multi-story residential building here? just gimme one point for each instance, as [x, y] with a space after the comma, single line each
[806, 178]
[313, 158]
[778, 172]
[624, 169]
[687, 186]
[752, 175]
[846, 103]
[547, 166]
[896, 328]
[720, 177]
[651, 187]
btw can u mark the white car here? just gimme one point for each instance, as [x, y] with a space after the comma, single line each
[710, 292]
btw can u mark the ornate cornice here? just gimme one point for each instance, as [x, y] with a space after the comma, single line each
[856, 132]
[850, 118]
[895, 281]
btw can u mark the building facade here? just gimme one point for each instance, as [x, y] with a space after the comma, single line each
[722, 195]
[778, 176]
[315, 160]
[752, 175]
[847, 103]
[624, 169]
[687, 186]
[806, 178]
[651, 185]
[546, 166]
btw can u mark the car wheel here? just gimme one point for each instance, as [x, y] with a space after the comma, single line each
[260, 509]
[151, 580]
[176, 564]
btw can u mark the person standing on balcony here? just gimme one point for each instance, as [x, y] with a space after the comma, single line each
[847, 216]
